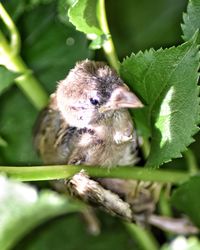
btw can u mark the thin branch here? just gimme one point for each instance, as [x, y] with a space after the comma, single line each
[145, 147]
[26, 82]
[36, 173]
[108, 45]
[191, 161]
[143, 237]
[15, 43]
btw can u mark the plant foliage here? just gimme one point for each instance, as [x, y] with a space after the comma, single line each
[53, 37]
[169, 96]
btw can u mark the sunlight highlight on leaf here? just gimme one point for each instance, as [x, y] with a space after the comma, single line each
[163, 122]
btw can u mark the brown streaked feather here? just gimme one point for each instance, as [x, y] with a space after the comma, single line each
[53, 135]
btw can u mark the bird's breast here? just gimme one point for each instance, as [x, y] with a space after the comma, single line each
[112, 143]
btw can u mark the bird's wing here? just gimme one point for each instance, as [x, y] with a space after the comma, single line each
[53, 137]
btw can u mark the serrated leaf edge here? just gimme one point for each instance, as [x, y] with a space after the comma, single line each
[195, 128]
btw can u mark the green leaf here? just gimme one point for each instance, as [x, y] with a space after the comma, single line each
[98, 42]
[63, 7]
[3, 143]
[22, 208]
[6, 78]
[33, 3]
[50, 54]
[182, 242]
[84, 16]
[138, 25]
[186, 199]
[15, 110]
[69, 232]
[16, 8]
[140, 117]
[166, 81]
[191, 19]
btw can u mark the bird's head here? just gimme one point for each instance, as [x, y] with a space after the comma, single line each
[91, 91]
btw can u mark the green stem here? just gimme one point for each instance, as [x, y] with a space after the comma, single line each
[108, 45]
[14, 34]
[36, 173]
[145, 147]
[164, 206]
[191, 161]
[26, 82]
[165, 209]
[144, 238]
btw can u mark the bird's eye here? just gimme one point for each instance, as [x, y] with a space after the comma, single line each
[94, 101]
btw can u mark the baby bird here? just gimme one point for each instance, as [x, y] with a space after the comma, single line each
[87, 121]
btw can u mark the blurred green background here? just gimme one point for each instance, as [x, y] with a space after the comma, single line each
[50, 47]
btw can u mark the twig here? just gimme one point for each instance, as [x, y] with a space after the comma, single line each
[108, 45]
[15, 43]
[191, 161]
[35, 173]
[144, 238]
[10, 58]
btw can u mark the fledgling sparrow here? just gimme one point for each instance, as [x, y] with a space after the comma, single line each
[87, 122]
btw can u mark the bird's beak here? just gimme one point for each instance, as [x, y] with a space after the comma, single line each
[121, 97]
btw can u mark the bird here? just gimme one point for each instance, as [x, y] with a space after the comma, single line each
[87, 122]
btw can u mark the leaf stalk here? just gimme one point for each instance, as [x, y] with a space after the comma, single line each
[10, 58]
[15, 42]
[143, 237]
[41, 173]
[191, 161]
[108, 46]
